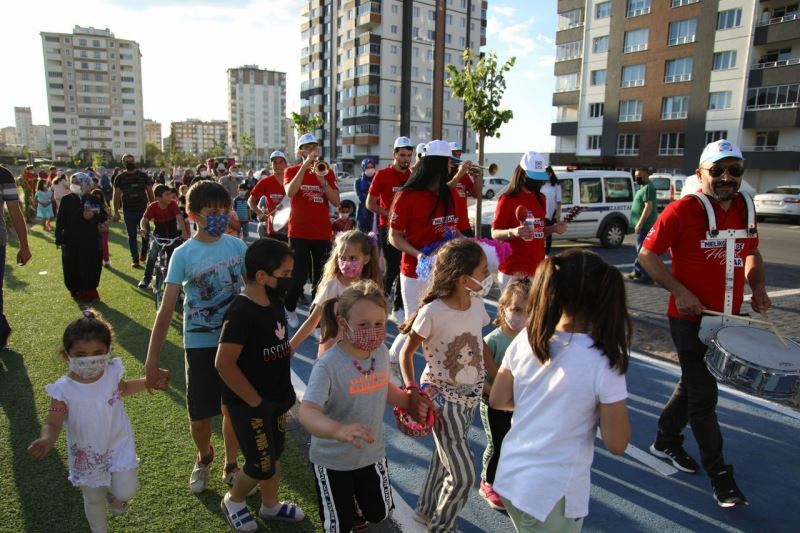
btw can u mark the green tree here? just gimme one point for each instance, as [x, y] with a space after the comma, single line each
[151, 153]
[246, 145]
[303, 124]
[97, 160]
[481, 85]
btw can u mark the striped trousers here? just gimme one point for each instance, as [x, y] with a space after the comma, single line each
[451, 473]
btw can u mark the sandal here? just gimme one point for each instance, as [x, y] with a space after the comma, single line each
[117, 507]
[241, 520]
[288, 512]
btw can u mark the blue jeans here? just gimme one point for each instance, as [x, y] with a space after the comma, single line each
[132, 220]
[638, 271]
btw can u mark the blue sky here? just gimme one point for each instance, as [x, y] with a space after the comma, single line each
[187, 46]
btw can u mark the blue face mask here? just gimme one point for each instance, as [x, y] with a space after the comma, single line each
[216, 224]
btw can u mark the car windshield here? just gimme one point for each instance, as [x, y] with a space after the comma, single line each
[661, 184]
[785, 190]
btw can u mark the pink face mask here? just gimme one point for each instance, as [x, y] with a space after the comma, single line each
[350, 269]
[367, 339]
[369, 172]
[515, 321]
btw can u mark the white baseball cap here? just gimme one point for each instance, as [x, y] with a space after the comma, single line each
[720, 150]
[455, 146]
[438, 148]
[403, 142]
[277, 153]
[534, 166]
[421, 149]
[307, 138]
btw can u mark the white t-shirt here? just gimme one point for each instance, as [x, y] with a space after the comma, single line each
[552, 194]
[333, 288]
[453, 349]
[547, 455]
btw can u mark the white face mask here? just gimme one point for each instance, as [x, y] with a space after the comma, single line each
[203, 174]
[486, 286]
[77, 189]
[514, 320]
[89, 366]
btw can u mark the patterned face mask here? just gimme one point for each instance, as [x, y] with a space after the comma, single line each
[350, 269]
[216, 224]
[367, 339]
[89, 366]
[486, 286]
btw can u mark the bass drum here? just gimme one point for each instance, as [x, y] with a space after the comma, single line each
[280, 220]
[754, 360]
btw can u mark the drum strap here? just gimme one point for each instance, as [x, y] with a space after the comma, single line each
[729, 236]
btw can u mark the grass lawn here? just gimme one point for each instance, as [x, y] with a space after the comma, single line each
[36, 494]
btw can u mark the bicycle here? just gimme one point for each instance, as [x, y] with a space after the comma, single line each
[162, 262]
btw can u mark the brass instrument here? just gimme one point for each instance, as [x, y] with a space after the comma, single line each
[491, 169]
[321, 168]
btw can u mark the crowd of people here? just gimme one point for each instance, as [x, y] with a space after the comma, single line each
[550, 373]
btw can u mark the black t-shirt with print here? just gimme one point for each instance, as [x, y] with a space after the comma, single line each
[134, 189]
[266, 354]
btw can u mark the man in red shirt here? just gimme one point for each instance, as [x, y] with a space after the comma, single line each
[271, 188]
[386, 183]
[697, 282]
[309, 220]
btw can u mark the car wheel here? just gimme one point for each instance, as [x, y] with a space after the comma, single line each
[489, 194]
[613, 234]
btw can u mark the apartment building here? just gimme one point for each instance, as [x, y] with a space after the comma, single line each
[197, 137]
[23, 121]
[375, 70]
[256, 106]
[152, 133]
[651, 82]
[94, 93]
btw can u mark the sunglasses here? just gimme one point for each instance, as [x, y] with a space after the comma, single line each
[717, 170]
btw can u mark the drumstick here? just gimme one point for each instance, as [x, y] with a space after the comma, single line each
[750, 319]
[774, 328]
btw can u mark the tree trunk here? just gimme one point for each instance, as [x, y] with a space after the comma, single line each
[479, 203]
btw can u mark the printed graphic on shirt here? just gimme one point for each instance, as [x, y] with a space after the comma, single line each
[312, 193]
[217, 283]
[367, 384]
[463, 359]
[715, 250]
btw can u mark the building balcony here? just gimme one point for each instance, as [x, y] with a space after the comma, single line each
[774, 73]
[772, 157]
[776, 30]
[362, 139]
[558, 129]
[772, 116]
[566, 98]
[368, 16]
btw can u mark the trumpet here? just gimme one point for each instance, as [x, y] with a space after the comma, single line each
[491, 169]
[321, 168]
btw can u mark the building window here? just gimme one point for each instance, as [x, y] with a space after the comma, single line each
[766, 141]
[630, 110]
[628, 144]
[675, 107]
[682, 32]
[633, 76]
[679, 69]
[393, 28]
[567, 82]
[679, 3]
[395, 8]
[569, 50]
[393, 49]
[724, 60]
[720, 100]
[671, 143]
[600, 44]
[638, 7]
[712, 136]
[593, 142]
[602, 10]
[596, 109]
[730, 18]
[569, 19]
[635, 40]
[774, 97]
[598, 77]
[393, 69]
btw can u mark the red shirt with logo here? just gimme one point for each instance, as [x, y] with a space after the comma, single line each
[386, 183]
[525, 255]
[270, 188]
[310, 216]
[463, 188]
[413, 212]
[697, 261]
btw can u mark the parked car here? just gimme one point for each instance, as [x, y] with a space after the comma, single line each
[780, 202]
[668, 188]
[493, 186]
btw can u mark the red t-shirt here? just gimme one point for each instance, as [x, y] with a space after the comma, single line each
[411, 212]
[310, 217]
[165, 220]
[386, 183]
[525, 255]
[463, 188]
[697, 262]
[273, 191]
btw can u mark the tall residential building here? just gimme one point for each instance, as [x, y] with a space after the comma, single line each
[197, 137]
[375, 71]
[152, 132]
[650, 83]
[40, 139]
[94, 93]
[256, 106]
[24, 124]
[290, 147]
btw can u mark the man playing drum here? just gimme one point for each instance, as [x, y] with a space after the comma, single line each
[698, 282]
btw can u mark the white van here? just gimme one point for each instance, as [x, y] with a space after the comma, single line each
[668, 188]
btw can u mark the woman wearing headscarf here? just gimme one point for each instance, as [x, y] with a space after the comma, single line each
[364, 217]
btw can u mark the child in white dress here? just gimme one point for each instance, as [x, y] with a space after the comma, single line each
[100, 451]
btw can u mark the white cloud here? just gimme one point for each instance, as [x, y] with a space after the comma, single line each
[506, 11]
[545, 39]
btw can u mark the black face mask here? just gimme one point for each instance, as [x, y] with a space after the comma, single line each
[130, 166]
[282, 286]
[533, 185]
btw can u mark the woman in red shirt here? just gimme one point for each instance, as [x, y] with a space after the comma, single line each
[519, 218]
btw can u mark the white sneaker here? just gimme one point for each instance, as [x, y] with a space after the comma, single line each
[292, 319]
[198, 481]
[398, 316]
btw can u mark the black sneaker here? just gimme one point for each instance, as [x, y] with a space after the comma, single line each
[680, 459]
[144, 284]
[726, 492]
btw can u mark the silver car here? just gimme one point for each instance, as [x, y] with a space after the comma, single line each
[780, 202]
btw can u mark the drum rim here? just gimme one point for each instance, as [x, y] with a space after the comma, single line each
[713, 344]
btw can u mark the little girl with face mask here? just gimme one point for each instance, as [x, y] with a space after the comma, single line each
[510, 320]
[100, 451]
[355, 256]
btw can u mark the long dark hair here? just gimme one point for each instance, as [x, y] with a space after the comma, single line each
[430, 169]
[591, 291]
